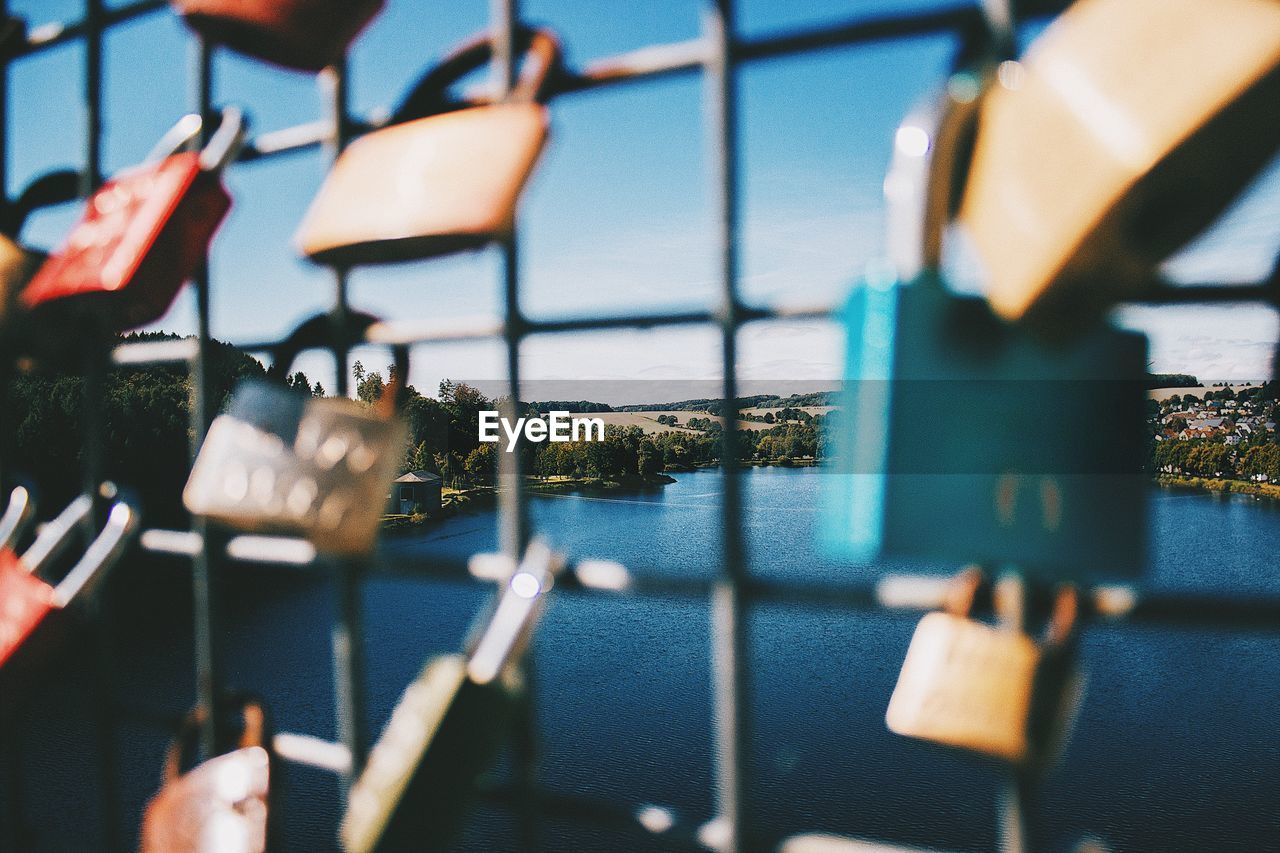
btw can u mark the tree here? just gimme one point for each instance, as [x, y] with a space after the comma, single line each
[369, 388]
[480, 464]
[649, 460]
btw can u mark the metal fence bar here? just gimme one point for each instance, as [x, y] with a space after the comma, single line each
[348, 628]
[205, 563]
[46, 36]
[513, 518]
[675, 58]
[93, 423]
[730, 695]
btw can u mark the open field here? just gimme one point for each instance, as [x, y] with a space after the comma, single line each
[813, 410]
[1159, 394]
[648, 421]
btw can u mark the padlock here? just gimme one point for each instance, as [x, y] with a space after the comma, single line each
[302, 34]
[962, 437]
[282, 461]
[436, 181]
[985, 689]
[144, 233]
[31, 606]
[447, 727]
[221, 805]
[1126, 130]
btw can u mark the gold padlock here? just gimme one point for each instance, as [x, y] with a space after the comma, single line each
[439, 180]
[1125, 131]
[972, 686]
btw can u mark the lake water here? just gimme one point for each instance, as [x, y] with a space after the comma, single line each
[1175, 746]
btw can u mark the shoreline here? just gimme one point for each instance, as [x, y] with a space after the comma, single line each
[463, 500]
[1207, 485]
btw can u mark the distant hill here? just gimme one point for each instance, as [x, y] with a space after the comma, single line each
[757, 401]
[1172, 380]
[575, 406]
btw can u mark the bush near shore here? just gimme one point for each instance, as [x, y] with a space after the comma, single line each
[1214, 484]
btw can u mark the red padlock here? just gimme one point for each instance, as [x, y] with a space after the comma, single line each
[302, 34]
[143, 234]
[27, 602]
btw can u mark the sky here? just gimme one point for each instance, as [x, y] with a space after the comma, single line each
[619, 216]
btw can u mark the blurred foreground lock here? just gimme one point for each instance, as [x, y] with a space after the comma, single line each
[963, 438]
[302, 34]
[447, 727]
[282, 461]
[222, 804]
[441, 179]
[987, 689]
[143, 233]
[33, 610]
[1129, 126]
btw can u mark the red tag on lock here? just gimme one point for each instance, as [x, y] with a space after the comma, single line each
[25, 600]
[141, 237]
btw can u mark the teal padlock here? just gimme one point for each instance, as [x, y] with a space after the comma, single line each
[960, 437]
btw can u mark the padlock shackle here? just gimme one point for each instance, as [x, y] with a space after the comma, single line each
[103, 553]
[252, 711]
[177, 138]
[962, 591]
[54, 536]
[17, 515]
[222, 148]
[932, 146]
[926, 176]
[227, 141]
[56, 187]
[326, 330]
[507, 631]
[431, 94]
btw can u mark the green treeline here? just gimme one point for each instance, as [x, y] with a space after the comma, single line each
[143, 418]
[444, 438]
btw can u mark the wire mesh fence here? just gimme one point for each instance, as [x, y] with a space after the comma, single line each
[716, 57]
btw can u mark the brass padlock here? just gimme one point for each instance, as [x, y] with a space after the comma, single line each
[982, 688]
[222, 804]
[439, 180]
[282, 461]
[1128, 127]
[448, 725]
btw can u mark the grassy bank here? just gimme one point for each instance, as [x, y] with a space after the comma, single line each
[1211, 484]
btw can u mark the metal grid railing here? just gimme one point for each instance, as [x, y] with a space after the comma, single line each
[716, 56]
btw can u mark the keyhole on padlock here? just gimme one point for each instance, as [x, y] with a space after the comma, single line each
[1050, 504]
[1006, 501]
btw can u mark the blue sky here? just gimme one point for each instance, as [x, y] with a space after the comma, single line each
[618, 217]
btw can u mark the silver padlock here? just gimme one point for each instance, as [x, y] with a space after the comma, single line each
[281, 461]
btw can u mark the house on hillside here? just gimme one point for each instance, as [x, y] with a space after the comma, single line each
[417, 491]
